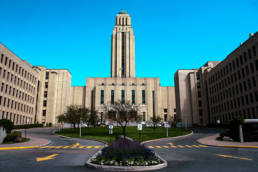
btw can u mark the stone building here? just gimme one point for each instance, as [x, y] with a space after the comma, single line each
[54, 93]
[220, 91]
[146, 93]
[18, 88]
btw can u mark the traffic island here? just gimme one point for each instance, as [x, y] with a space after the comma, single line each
[126, 155]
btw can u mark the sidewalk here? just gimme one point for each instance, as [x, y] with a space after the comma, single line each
[211, 141]
[33, 143]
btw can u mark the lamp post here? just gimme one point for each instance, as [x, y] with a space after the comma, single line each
[27, 121]
[80, 127]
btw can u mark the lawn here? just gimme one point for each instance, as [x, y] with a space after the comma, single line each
[101, 133]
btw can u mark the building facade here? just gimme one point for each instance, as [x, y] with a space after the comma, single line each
[146, 93]
[31, 94]
[18, 88]
[54, 93]
[220, 91]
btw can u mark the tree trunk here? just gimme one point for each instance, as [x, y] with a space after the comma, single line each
[124, 131]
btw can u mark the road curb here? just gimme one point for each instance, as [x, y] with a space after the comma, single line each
[168, 138]
[226, 146]
[10, 146]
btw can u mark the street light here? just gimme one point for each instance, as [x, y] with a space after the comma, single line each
[27, 121]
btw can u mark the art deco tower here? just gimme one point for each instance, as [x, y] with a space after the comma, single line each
[123, 47]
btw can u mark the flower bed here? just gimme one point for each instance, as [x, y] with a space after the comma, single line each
[124, 152]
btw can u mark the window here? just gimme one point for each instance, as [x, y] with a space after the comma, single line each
[200, 112]
[46, 84]
[200, 103]
[45, 94]
[144, 116]
[252, 67]
[165, 117]
[197, 75]
[199, 94]
[112, 96]
[254, 51]
[44, 103]
[256, 65]
[102, 97]
[123, 55]
[44, 113]
[123, 96]
[256, 96]
[133, 97]
[2, 58]
[165, 110]
[47, 75]
[143, 96]
[198, 85]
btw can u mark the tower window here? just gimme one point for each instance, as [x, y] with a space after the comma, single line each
[45, 94]
[133, 97]
[44, 103]
[123, 96]
[123, 55]
[143, 96]
[44, 113]
[102, 97]
[112, 96]
[47, 75]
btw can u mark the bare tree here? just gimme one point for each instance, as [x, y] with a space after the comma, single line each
[122, 113]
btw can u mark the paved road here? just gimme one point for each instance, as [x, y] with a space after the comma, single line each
[68, 155]
[183, 155]
[186, 154]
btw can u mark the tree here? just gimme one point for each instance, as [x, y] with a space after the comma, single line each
[172, 121]
[122, 113]
[7, 125]
[74, 115]
[93, 119]
[155, 120]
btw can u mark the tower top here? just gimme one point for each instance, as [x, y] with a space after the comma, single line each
[123, 19]
[123, 12]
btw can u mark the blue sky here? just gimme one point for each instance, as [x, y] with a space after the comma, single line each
[169, 34]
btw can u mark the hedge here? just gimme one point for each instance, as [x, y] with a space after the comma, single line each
[28, 126]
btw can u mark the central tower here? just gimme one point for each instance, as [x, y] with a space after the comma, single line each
[123, 47]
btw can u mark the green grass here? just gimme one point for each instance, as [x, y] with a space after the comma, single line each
[23, 140]
[101, 133]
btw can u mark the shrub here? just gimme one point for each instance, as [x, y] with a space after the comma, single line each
[225, 133]
[15, 136]
[7, 124]
[125, 152]
[234, 128]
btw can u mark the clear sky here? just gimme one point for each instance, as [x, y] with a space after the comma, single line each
[169, 34]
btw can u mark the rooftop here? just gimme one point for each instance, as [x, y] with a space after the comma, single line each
[123, 12]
